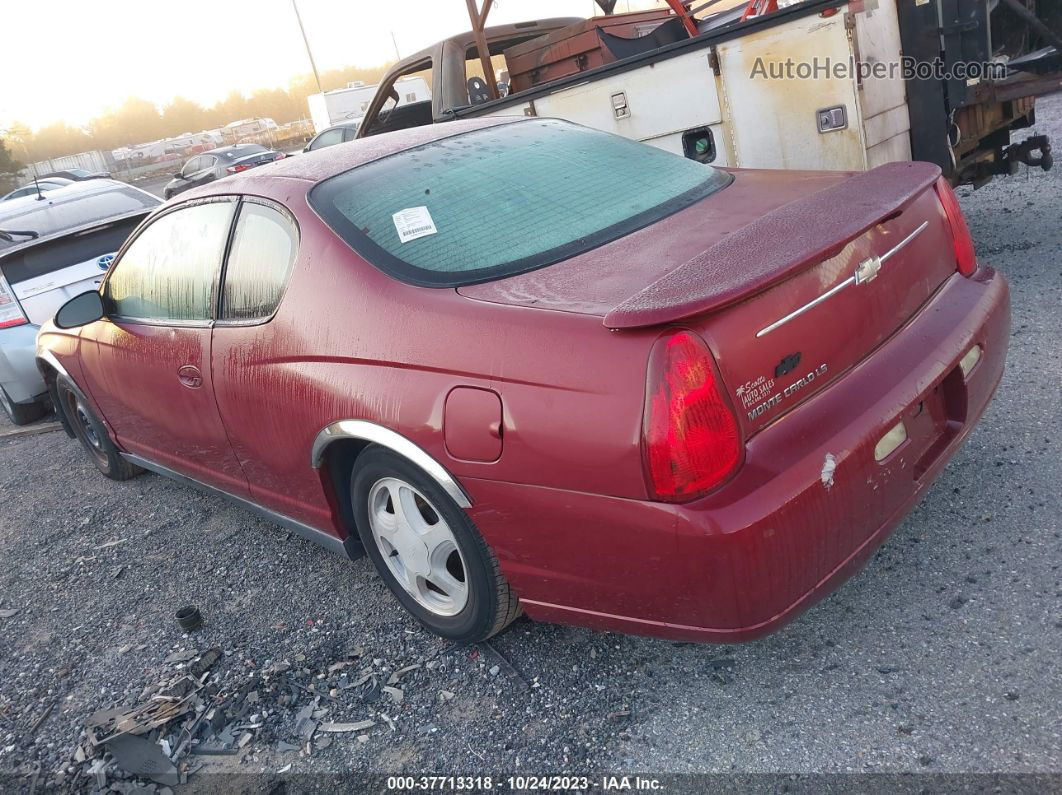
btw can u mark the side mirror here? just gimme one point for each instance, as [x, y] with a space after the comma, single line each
[178, 175]
[80, 310]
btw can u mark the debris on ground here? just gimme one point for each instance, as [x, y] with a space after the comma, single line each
[194, 713]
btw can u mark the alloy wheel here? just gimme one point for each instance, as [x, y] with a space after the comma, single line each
[418, 546]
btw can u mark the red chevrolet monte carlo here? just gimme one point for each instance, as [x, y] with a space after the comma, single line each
[527, 365]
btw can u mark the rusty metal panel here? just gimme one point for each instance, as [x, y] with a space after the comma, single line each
[574, 49]
[773, 123]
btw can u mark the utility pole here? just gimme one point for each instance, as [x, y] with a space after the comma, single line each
[394, 41]
[306, 41]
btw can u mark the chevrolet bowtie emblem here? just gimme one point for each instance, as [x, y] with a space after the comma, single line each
[868, 270]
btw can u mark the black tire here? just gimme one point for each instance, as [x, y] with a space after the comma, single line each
[93, 435]
[491, 605]
[21, 413]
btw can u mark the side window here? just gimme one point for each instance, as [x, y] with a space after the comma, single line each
[169, 271]
[394, 112]
[207, 162]
[350, 133]
[191, 166]
[327, 138]
[263, 250]
[474, 69]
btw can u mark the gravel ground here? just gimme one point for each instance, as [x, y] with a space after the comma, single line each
[942, 656]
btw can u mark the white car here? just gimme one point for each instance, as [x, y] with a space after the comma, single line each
[51, 249]
[41, 186]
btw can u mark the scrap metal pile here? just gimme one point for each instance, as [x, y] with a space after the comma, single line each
[194, 713]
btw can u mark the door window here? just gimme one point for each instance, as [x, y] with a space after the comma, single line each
[169, 271]
[327, 138]
[191, 166]
[263, 249]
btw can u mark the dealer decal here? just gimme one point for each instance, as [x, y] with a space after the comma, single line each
[752, 392]
[778, 397]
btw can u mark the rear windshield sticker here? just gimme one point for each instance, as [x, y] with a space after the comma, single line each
[413, 222]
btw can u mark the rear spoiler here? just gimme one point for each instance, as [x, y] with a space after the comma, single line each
[775, 246]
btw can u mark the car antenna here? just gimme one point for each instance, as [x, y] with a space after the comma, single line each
[40, 196]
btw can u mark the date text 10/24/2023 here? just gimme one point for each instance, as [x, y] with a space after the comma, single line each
[523, 783]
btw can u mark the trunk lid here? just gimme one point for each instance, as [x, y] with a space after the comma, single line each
[773, 246]
[784, 344]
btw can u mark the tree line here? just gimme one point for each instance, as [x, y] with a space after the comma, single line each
[138, 120]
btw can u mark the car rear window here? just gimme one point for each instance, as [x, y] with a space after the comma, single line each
[242, 151]
[58, 253]
[72, 211]
[504, 200]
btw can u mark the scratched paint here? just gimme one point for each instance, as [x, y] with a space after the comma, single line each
[829, 466]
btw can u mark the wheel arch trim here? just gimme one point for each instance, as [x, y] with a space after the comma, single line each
[385, 437]
[46, 359]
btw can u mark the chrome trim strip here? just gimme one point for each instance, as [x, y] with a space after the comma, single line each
[327, 540]
[846, 283]
[811, 305]
[385, 437]
[904, 242]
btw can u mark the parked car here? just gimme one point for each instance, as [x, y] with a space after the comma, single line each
[335, 134]
[217, 163]
[50, 250]
[592, 379]
[37, 188]
[77, 174]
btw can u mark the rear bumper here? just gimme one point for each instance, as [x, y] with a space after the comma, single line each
[782, 534]
[18, 364]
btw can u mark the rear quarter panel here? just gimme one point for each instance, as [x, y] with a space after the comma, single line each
[349, 342]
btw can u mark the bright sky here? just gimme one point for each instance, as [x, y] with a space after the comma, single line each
[69, 59]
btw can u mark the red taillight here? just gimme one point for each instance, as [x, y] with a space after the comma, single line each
[236, 169]
[965, 256]
[690, 437]
[11, 313]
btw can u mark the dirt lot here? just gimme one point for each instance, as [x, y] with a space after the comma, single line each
[942, 656]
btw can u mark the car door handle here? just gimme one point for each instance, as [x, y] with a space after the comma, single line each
[190, 376]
